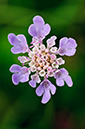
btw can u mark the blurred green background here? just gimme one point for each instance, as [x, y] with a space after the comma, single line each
[20, 107]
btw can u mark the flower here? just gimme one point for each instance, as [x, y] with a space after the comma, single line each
[67, 46]
[42, 61]
[19, 42]
[61, 75]
[44, 89]
[21, 74]
[38, 29]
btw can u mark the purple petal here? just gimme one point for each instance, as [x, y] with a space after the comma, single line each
[52, 88]
[70, 52]
[68, 80]
[40, 90]
[38, 22]
[32, 30]
[32, 83]
[15, 78]
[38, 29]
[72, 43]
[64, 71]
[57, 73]
[63, 42]
[16, 50]
[23, 40]
[47, 29]
[25, 77]
[59, 81]
[13, 39]
[15, 68]
[67, 46]
[19, 42]
[46, 96]
[36, 78]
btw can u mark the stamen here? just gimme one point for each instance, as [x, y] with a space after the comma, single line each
[31, 46]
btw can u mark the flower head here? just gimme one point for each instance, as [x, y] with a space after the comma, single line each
[43, 62]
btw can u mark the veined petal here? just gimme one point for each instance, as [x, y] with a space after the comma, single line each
[52, 88]
[68, 80]
[38, 29]
[63, 42]
[46, 96]
[19, 42]
[32, 30]
[67, 46]
[16, 50]
[47, 29]
[15, 78]
[71, 43]
[60, 81]
[32, 83]
[38, 22]
[13, 39]
[23, 40]
[64, 71]
[15, 68]
[70, 52]
[40, 90]
[25, 77]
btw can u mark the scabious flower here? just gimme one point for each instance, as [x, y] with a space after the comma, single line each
[42, 61]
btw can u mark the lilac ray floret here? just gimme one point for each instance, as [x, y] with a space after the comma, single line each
[35, 79]
[39, 29]
[61, 75]
[21, 74]
[19, 42]
[44, 89]
[67, 46]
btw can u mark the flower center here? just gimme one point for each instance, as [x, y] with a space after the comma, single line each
[42, 60]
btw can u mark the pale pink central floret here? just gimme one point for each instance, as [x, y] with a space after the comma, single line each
[43, 60]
